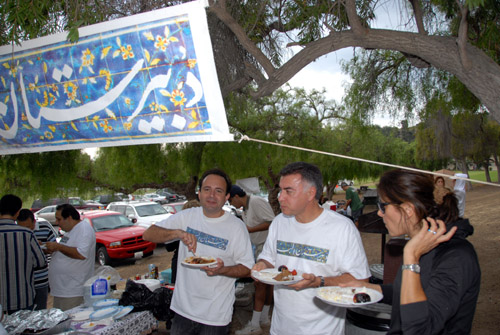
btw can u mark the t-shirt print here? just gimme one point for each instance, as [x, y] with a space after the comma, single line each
[304, 251]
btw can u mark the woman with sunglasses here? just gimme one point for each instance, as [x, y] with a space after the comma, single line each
[436, 289]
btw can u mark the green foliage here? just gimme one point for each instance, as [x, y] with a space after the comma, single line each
[44, 174]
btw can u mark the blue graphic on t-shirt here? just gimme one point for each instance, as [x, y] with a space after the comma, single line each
[302, 251]
[210, 240]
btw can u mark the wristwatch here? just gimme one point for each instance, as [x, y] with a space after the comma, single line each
[321, 281]
[412, 267]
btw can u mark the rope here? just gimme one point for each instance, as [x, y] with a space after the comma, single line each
[246, 138]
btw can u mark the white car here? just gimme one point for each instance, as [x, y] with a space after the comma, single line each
[155, 197]
[48, 213]
[146, 213]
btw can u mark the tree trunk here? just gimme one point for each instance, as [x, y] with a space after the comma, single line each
[487, 171]
[497, 164]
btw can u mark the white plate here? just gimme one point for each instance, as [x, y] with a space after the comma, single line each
[266, 276]
[343, 296]
[123, 311]
[186, 262]
[88, 325]
[105, 303]
[104, 313]
[82, 315]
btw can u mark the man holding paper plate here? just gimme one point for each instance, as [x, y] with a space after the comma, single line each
[323, 246]
[215, 250]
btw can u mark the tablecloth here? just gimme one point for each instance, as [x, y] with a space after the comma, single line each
[134, 323]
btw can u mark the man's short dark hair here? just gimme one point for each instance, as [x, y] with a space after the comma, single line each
[220, 173]
[236, 190]
[26, 214]
[309, 173]
[68, 210]
[10, 204]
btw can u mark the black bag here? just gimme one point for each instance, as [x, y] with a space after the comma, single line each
[141, 297]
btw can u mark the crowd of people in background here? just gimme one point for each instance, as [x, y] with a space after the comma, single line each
[435, 291]
[28, 246]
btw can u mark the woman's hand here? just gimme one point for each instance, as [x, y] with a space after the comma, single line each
[432, 233]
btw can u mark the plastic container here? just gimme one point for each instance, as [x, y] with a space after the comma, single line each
[167, 275]
[96, 288]
[368, 320]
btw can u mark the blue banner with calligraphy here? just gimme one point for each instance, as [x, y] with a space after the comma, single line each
[147, 78]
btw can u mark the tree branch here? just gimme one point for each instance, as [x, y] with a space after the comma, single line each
[462, 36]
[417, 10]
[354, 21]
[219, 9]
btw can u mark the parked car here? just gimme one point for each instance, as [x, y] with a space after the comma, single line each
[77, 202]
[48, 213]
[155, 197]
[54, 230]
[106, 199]
[117, 237]
[170, 195]
[174, 207]
[146, 213]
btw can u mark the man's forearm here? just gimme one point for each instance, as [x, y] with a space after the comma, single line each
[344, 278]
[159, 235]
[236, 271]
[71, 252]
[260, 227]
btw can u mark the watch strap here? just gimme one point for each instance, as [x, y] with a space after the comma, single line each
[412, 267]
[321, 281]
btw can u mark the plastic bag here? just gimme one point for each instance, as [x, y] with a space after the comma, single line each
[141, 297]
[108, 272]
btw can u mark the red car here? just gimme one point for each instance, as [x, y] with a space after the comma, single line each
[117, 237]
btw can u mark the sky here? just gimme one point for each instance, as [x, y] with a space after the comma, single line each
[326, 72]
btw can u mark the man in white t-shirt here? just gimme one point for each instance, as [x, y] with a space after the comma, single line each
[324, 245]
[203, 297]
[257, 215]
[73, 258]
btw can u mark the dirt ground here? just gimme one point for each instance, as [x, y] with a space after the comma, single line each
[483, 210]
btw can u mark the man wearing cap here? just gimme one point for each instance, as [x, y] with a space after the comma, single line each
[353, 200]
[257, 215]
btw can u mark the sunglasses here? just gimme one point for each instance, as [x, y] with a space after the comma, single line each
[381, 205]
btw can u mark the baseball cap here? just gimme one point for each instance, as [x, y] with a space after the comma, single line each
[236, 190]
[342, 184]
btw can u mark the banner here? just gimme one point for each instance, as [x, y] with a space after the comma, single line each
[147, 78]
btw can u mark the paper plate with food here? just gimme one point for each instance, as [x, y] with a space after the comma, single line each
[279, 276]
[348, 296]
[199, 261]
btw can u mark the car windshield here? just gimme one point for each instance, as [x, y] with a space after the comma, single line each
[108, 222]
[178, 208]
[150, 209]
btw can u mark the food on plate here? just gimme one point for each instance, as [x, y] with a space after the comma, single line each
[285, 274]
[345, 295]
[361, 297]
[198, 260]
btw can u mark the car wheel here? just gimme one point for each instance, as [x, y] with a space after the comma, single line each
[103, 257]
[147, 254]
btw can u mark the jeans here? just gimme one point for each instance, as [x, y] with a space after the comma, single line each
[184, 326]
